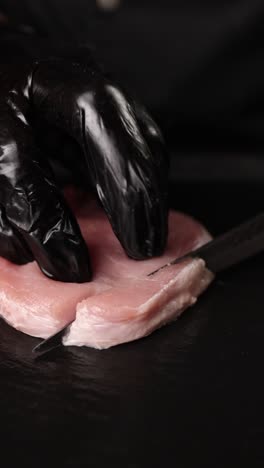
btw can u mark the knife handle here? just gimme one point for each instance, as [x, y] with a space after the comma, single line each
[234, 246]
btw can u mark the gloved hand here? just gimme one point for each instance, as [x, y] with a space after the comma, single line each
[124, 155]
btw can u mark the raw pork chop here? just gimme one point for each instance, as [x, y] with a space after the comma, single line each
[121, 303]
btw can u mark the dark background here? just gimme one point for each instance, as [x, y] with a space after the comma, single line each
[197, 65]
[191, 394]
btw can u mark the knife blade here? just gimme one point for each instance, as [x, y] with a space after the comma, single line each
[222, 252]
[52, 342]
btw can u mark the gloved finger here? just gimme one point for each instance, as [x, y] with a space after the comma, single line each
[63, 152]
[12, 245]
[128, 177]
[152, 134]
[34, 207]
[157, 147]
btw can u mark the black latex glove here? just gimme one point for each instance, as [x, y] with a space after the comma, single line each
[124, 155]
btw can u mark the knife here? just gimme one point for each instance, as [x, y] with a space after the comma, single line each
[222, 252]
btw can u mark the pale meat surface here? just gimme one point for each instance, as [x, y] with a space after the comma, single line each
[121, 303]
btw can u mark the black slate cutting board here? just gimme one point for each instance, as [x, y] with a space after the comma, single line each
[189, 395]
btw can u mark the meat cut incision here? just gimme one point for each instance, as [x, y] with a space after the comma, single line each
[122, 303]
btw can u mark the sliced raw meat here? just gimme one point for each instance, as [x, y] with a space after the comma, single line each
[137, 307]
[121, 303]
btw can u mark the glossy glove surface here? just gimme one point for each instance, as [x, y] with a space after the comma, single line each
[125, 163]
